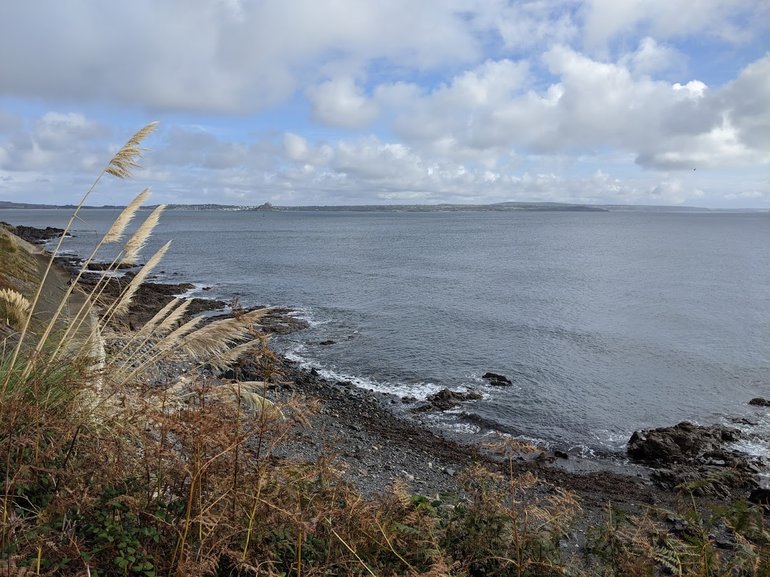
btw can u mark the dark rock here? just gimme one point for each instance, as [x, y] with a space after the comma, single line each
[497, 380]
[328, 342]
[109, 265]
[560, 454]
[33, 234]
[681, 443]
[422, 408]
[544, 457]
[744, 421]
[446, 399]
[760, 402]
[677, 525]
[760, 496]
[695, 458]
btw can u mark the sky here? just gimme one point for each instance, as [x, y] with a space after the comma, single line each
[340, 102]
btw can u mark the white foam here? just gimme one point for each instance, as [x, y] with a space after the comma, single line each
[755, 439]
[753, 447]
[294, 354]
[461, 428]
[193, 292]
[306, 315]
[538, 442]
[614, 441]
[754, 442]
[109, 273]
[419, 391]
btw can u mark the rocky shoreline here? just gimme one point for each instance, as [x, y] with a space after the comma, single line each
[373, 440]
[361, 432]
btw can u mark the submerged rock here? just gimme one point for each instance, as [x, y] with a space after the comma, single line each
[497, 380]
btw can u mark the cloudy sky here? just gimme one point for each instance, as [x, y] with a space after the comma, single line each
[393, 101]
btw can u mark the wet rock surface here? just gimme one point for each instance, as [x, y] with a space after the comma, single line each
[695, 457]
[445, 400]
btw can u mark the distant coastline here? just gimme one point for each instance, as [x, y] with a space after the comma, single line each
[496, 207]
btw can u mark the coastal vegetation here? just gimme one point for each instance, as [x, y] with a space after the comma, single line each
[123, 451]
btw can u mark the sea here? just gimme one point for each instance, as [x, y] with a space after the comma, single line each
[605, 322]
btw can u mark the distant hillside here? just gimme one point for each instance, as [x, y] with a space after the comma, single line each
[498, 207]
[502, 206]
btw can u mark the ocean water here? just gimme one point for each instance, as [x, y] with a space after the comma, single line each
[605, 322]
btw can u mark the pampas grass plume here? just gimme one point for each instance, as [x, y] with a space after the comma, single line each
[172, 318]
[140, 237]
[119, 226]
[126, 159]
[173, 338]
[149, 326]
[16, 307]
[227, 358]
[215, 338]
[125, 300]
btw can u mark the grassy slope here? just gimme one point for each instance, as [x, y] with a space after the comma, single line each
[22, 265]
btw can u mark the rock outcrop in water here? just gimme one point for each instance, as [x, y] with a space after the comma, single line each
[696, 457]
[33, 234]
[445, 400]
[760, 402]
[497, 380]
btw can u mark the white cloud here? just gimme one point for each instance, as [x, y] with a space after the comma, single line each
[747, 101]
[729, 20]
[651, 57]
[296, 147]
[215, 56]
[487, 113]
[56, 141]
[340, 102]
[439, 100]
[460, 118]
[58, 130]
[525, 24]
